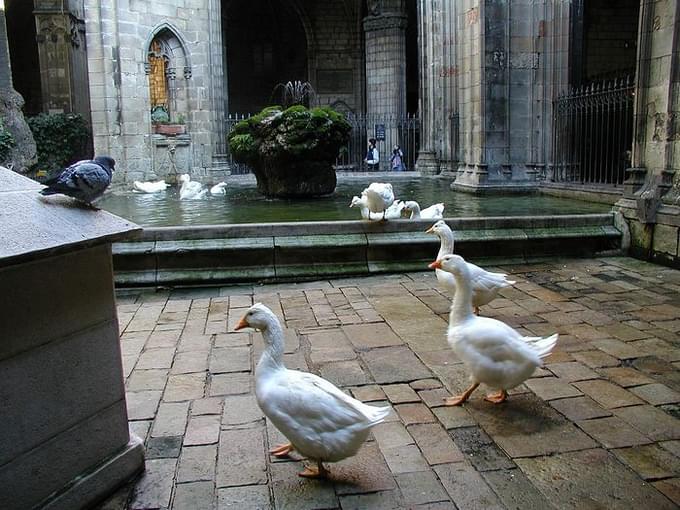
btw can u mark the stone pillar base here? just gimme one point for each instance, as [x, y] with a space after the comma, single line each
[91, 487]
[427, 163]
[478, 179]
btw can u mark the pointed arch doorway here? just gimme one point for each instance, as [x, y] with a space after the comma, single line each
[266, 45]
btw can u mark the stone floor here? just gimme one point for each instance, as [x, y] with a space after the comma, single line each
[596, 428]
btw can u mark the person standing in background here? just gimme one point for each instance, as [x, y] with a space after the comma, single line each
[372, 155]
[397, 159]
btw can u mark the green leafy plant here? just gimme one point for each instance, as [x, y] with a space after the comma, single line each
[295, 133]
[60, 139]
[6, 142]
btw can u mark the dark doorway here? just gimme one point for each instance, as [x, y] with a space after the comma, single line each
[412, 72]
[23, 52]
[266, 45]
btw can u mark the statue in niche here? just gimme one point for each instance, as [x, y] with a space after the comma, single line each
[158, 84]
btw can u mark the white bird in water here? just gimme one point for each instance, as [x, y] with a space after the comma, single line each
[393, 212]
[190, 190]
[219, 189]
[434, 212]
[150, 186]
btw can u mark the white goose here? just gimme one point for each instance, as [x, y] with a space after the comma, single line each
[485, 284]
[496, 354]
[150, 186]
[219, 189]
[320, 421]
[189, 189]
[434, 212]
[380, 196]
[393, 212]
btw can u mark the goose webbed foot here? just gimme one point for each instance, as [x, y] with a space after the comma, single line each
[498, 398]
[318, 471]
[456, 401]
[282, 450]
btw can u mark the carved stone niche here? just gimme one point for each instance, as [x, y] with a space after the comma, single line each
[172, 156]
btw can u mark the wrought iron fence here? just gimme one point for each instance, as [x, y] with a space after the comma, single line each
[389, 130]
[593, 133]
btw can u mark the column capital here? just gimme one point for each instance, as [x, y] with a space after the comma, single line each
[385, 22]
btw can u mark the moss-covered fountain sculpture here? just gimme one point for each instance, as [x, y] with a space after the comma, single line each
[291, 150]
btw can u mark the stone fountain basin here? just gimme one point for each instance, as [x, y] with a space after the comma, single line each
[240, 253]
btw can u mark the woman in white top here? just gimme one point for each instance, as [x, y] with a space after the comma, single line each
[372, 156]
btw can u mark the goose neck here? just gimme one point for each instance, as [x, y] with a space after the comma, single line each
[446, 246]
[272, 356]
[461, 307]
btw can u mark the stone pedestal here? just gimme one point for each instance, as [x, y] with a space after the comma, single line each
[65, 442]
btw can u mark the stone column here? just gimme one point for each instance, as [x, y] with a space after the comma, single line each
[385, 34]
[651, 202]
[63, 61]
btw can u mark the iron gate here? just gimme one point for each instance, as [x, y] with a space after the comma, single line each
[398, 130]
[593, 133]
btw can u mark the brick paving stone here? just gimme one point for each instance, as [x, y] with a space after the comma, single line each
[140, 429]
[625, 376]
[572, 371]
[156, 358]
[579, 408]
[669, 488]
[368, 336]
[194, 496]
[436, 445]
[434, 398]
[369, 393]
[526, 415]
[293, 492]
[421, 487]
[425, 384]
[651, 462]
[345, 373]
[202, 430]
[466, 487]
[612, 432]
[394, 364]
[651, 421]
[400, 393]
[608, 395]
[184, 387]
[240, 409]
[404, 459]
[480, 450]
[452, 417]
[367, 471]
[230, 359]
[211, 405]
[515, 490]
[551, 388]
[414, 413]
[386, 500]
[241, 458]
[231, 384]
[142, 405]
[147, 380]
[197, 463]
[671, 446]
[656, 394]
[250, 497]
[656, 347]
[190, 361]
[171, 419]
[616, 348]
[623, 332]
[163, 447]
[232, 340]
[596, 359]
[392, 435]
[154, 488]
[576, 480]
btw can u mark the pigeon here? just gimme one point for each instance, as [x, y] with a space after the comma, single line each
[84, 180]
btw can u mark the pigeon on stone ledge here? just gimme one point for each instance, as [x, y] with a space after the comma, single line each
[84, 180]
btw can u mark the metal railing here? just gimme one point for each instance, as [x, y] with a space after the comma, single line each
[593, 133]
[390, 130]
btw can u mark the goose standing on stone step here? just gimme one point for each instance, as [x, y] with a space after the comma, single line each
[380, 197]
[150, 186]
[320, 421]
[485, 284]
[434, 212]
[190, 190]
[495, 353]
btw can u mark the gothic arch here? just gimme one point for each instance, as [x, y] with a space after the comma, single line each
[182, 44]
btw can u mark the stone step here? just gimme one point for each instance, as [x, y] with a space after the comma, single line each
[175, 256]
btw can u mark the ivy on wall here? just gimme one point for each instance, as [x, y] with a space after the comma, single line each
[6, 142]
[60, 138]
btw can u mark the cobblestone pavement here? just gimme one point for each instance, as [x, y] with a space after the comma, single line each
[596, 428]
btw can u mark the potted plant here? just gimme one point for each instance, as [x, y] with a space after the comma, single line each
[160, 119]
[291, 151]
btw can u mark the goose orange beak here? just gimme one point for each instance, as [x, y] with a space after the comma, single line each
[243, 323]
[435, 265]
[430, 230]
